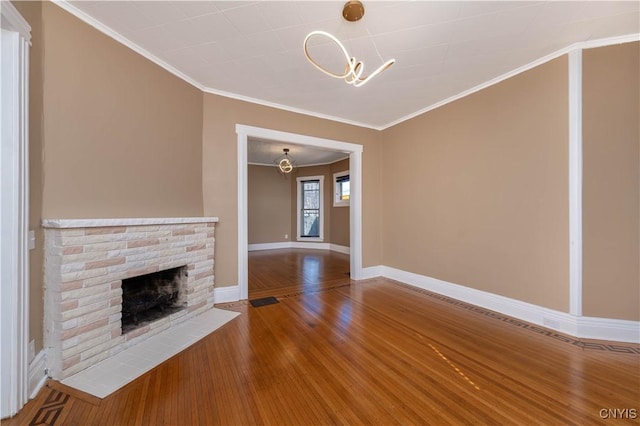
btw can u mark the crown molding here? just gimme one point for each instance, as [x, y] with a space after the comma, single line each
[289, 108]
[64, 4]
[576, 46]
[251, 163]
[12, 20]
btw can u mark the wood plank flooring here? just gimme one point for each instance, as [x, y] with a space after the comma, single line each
[289, 271]
[370, 352]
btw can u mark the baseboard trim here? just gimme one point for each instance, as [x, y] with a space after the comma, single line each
[310, 245]
[340, 249]
[37, 374]
[582, 327]
[298, 244]
[269, 246]
[608, 329]
[371, 272]
[226, 294]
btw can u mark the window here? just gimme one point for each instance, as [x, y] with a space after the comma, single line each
[341, 189]
[310, 204]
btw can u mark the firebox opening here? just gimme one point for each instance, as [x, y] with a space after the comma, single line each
[150, 297]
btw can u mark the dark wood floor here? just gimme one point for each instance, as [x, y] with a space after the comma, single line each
[371, 352]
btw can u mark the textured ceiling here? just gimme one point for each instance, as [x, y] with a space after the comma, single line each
[253, 50]
[265, 152]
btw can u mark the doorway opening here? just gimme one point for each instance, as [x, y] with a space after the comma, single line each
[354, 151]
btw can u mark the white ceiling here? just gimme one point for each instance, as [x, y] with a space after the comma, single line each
[265, 152]
[253, 50]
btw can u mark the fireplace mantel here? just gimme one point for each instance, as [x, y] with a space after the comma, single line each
[97, 223]
[86, 261]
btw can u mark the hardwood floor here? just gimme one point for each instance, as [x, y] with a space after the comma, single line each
[368, 352]
[287, 271]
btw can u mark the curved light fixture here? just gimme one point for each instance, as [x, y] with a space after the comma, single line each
[285, 165]
[353, 70]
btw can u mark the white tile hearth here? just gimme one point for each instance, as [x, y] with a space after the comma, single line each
[113, 373]
[86, 263]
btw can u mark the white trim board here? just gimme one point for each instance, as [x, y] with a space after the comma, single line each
[299, 207]
[372, 272]
[94, 223]
[302, 165]
[226, 294]
[245, 132]
[575, 182]
[37, 374]
[300, 245]
[64, 4]
[576, 46]
[581, 327]
[15, 42]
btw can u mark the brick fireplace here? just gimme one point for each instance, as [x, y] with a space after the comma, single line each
[86, 261]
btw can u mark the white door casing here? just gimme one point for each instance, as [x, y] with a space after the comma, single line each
[14, 209]
[355, 166]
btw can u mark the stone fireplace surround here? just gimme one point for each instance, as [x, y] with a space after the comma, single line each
[85, 263]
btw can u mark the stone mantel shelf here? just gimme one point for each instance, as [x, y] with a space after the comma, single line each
[86, 261]
[96, 223]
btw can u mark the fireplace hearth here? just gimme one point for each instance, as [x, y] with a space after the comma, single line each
[92, 268]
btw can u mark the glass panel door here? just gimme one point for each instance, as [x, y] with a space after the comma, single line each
[310, 208]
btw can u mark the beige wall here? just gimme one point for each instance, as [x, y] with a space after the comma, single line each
[611, 186]
[32, 12]
[111, 134]
[220, 169]
[272, 203]
[122, 136]
[269, 205]
[476, 192]
[340, 230]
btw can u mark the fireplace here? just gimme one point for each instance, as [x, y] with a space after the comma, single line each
[93, 265]
[150, 297]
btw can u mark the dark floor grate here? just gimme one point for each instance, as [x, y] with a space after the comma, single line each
[264, 301]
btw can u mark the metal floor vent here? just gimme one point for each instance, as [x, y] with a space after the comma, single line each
[264, 301]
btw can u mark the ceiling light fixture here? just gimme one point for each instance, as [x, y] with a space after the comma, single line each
[353, 11]
[284, 162]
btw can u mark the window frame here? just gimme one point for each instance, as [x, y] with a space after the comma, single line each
[337, 201]
[300, 181]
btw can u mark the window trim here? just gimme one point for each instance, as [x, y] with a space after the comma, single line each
[337, 202]
[299, 236]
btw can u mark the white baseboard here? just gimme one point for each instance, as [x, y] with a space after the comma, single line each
[582, 327]
[299, 244]
[340, 249]
[608, 329]
[310, 245]
[269, 246]
[226, 294]
[37, 375]
[371, 272]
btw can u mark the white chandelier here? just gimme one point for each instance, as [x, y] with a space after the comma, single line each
[353, 70]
